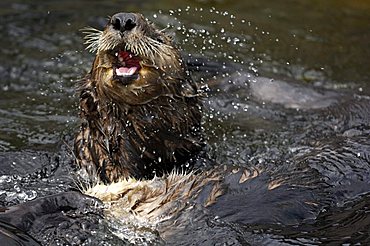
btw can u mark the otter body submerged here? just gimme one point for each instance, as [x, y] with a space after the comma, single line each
[141, 127]
[141, 116]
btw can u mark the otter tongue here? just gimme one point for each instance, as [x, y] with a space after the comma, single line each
[125, 71]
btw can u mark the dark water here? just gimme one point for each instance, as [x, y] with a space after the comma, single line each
[289, 95]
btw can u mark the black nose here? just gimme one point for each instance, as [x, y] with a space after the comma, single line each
[123, 21]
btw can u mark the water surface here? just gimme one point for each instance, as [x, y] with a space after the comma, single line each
[289, 93]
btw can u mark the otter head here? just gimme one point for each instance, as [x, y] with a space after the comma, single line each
[135, 62]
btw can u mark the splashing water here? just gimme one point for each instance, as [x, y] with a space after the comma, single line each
[274, 107]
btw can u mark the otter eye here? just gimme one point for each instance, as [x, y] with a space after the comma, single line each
[160, 39]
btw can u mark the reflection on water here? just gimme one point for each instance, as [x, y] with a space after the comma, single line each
[307, 126]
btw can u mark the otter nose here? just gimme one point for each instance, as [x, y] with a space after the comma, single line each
[123, 21]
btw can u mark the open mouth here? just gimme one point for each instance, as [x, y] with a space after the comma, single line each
[127, 67]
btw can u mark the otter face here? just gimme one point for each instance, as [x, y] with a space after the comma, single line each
[135, 63]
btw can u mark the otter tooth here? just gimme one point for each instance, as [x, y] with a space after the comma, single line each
[125, 71]
[116, 54]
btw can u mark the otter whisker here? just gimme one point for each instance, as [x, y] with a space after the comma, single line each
[155, 51]
[92, 38]
[107, 42]
[164, 29]
[91, 31]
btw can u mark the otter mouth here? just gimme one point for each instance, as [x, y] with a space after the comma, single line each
[126, 67]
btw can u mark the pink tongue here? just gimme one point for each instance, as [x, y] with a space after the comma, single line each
[125, 71]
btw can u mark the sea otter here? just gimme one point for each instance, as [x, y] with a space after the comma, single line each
[141, 115]
[140, 108]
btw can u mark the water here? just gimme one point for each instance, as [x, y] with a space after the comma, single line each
[289, 96]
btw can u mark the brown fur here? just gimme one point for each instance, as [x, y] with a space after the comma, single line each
[158, 199]
[147, 126]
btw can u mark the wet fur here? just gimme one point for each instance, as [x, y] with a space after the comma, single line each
[146, 127]
[156, 200]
